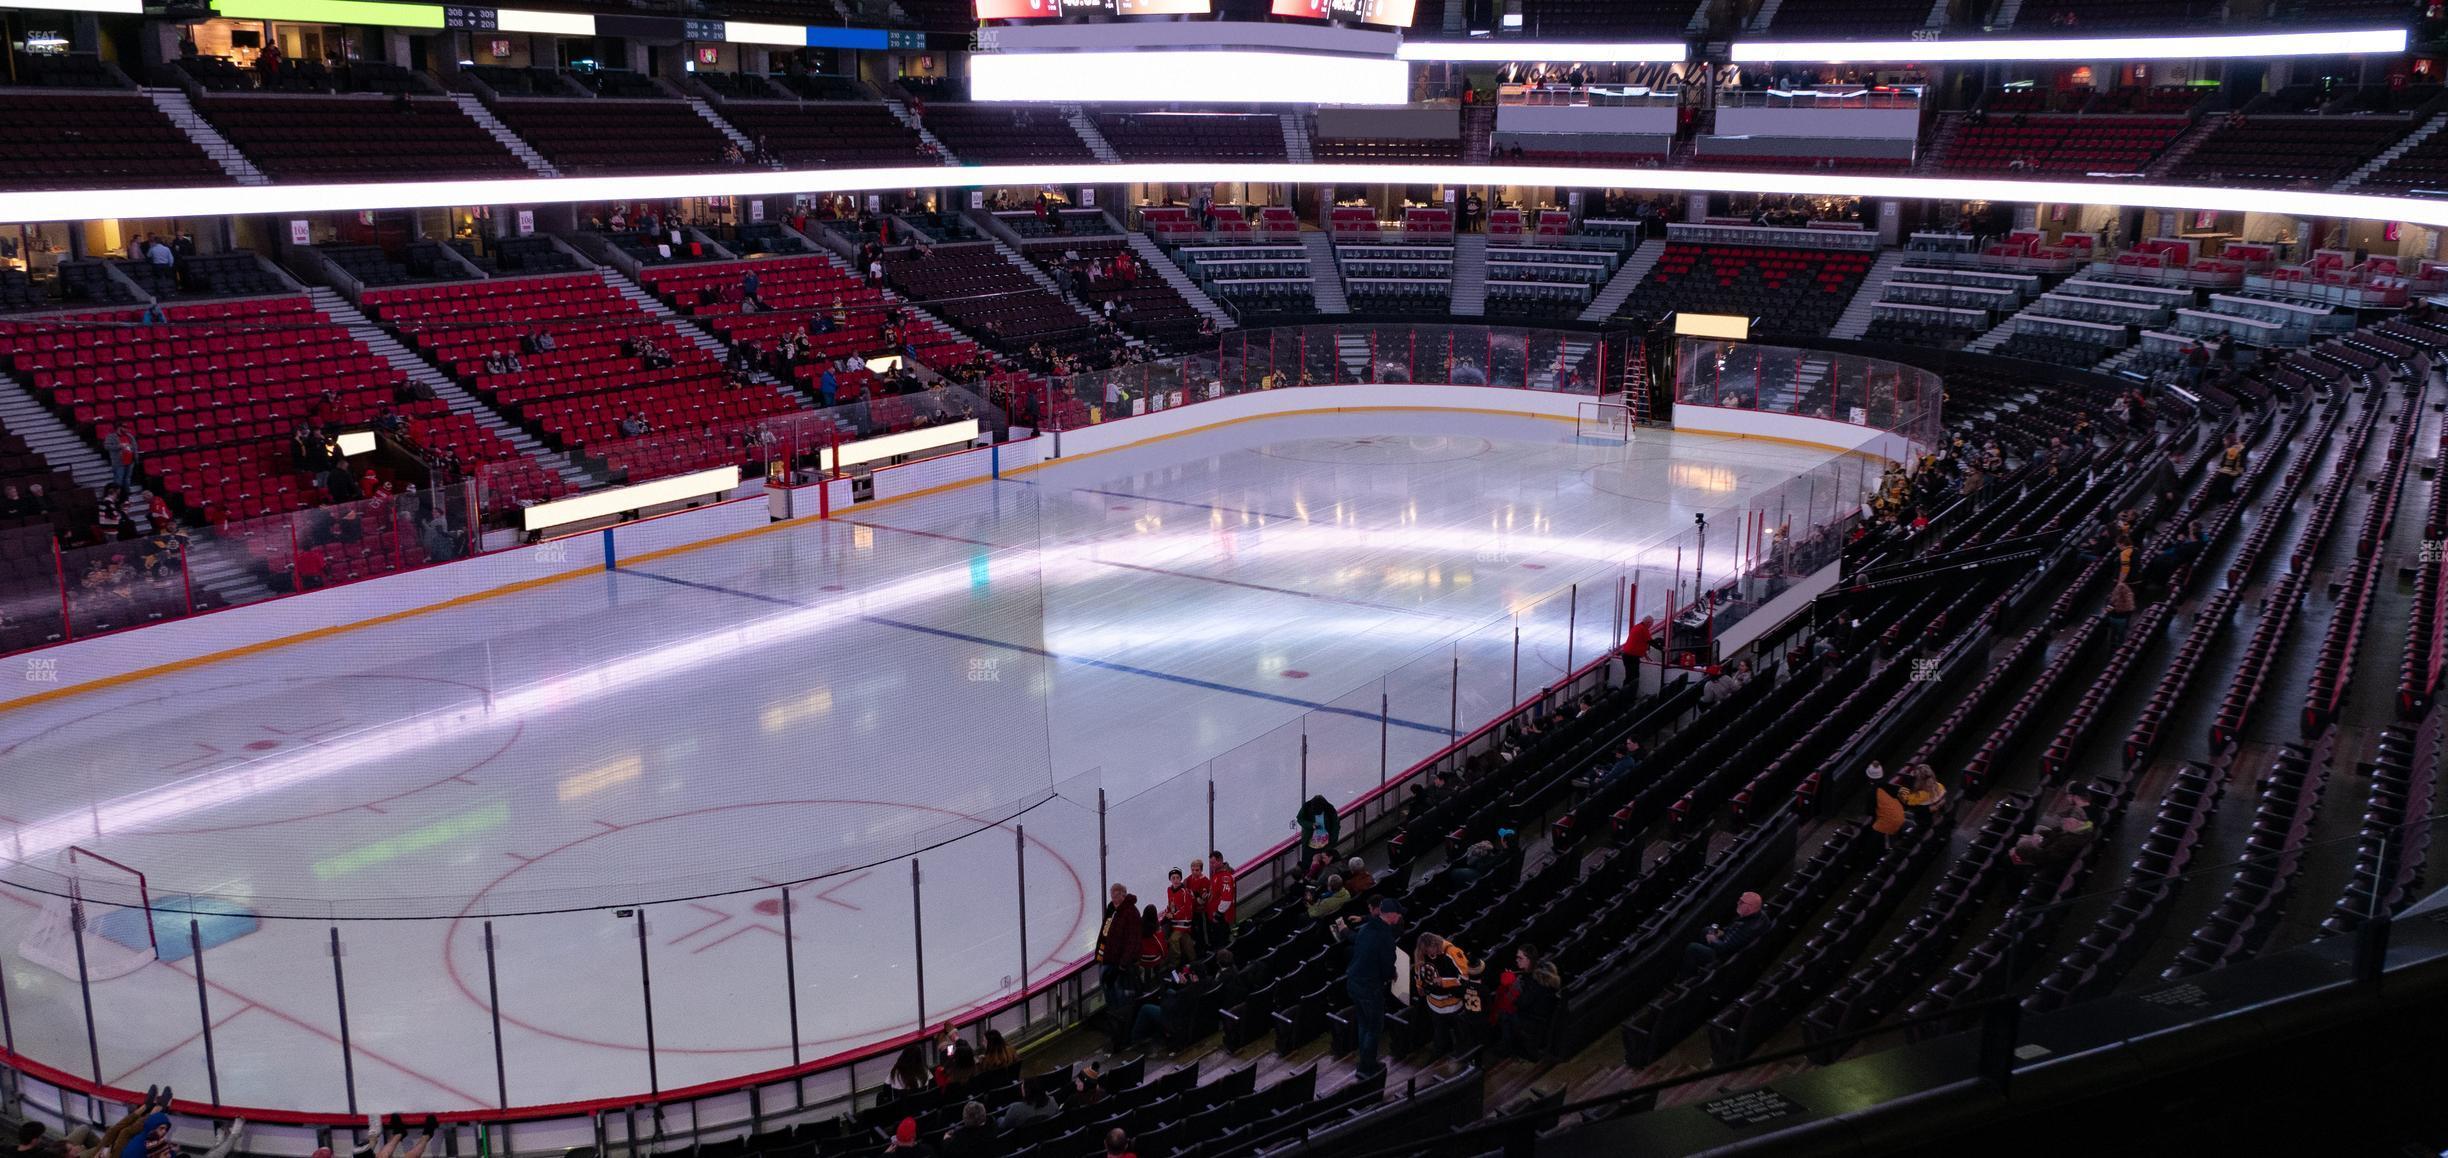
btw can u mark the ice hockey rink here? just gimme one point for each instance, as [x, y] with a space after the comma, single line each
[635, 778]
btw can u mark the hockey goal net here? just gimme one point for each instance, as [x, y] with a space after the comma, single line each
[91, 899]
[1604, 421]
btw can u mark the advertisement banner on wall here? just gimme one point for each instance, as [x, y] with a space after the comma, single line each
[300, 233]
[526, 222]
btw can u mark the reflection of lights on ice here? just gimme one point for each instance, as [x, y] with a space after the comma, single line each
[281, 771]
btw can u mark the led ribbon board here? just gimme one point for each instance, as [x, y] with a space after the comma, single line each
[32, 206]
[2390, 40]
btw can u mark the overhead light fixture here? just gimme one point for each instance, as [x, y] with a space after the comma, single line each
[2123, 48]
[1144, 77]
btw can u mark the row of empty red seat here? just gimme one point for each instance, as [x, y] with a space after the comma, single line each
[212, 397]
[576, 395]
[2061, 144]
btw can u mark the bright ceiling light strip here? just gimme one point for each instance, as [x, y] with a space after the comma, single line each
[545, 23]
[1662, 52]
[1223, 77]
[237, 200]
[2386, 40]
[108, 7]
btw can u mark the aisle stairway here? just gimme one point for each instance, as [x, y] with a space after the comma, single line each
[2404, 145]
[345, 313]
[902, 114]
[1856, 318]
[1090, 135]
[1478, 128]
[1995, 336]
[1627, 277]
[1153, 257]
[213, 563]
[746, 143]
[174, 104]
[1326, 277]
[1470, 275]
[493, 126]
[1296, 139]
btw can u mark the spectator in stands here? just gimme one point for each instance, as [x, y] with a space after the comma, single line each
[123, 458]
[1196, 883]
[1222, 902]
[1118, 1144]
[1152, 949]
[1180, 918]
[975, 1135]
[158, 253]
[1118, 944]
[2231, 464]
[2048, 848]
[110, 515]
[2120, 610]
[875, 270]
[633, 424]
[1723, 687]
[2074, 814]
[39, 503]
[1477, 861]
[1722, 941]
[1625, 763]
[1441, 974]
[13, 503]
[1320, 826]
[1034, 1104]
[1167, 1011]
[1887, 809]
[1922, 792]
[440, 542]
[1366, 979]
[909, 1072]
[1327, 900]
[153, 315]
[905, 1140]
[1357, 878]
[959, 1066]
[995, 1054]
[1524, 1030]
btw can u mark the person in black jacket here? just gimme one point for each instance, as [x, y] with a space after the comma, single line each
[1370, 972]
[1722, 941]
[1525, 1031]
[1321, 827]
